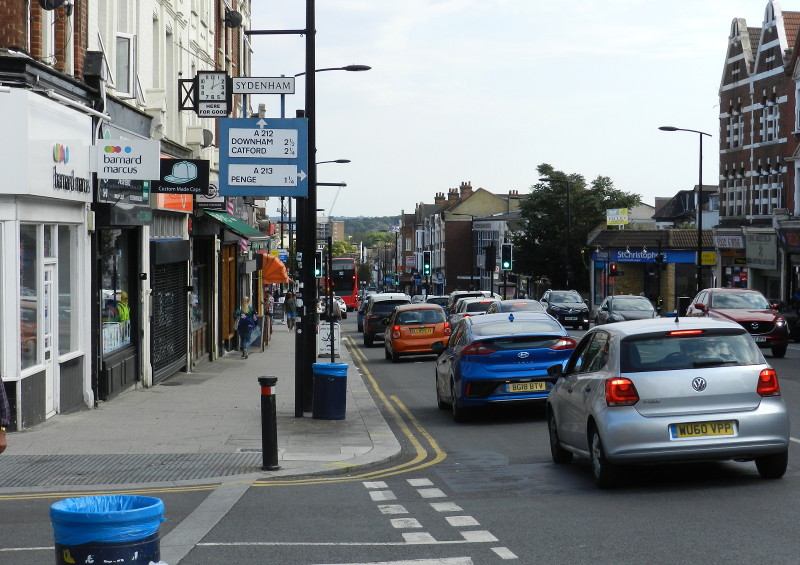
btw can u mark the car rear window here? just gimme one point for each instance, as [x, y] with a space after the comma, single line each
[672, 352]
[421, 317]
[522, 307]
[523, 342]
[386, 306]
[478, 306]
[438, 301]
[517, 328]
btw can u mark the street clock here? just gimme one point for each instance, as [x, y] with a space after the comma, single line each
[212, 94]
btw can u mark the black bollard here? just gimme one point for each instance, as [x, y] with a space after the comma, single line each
[269, 427]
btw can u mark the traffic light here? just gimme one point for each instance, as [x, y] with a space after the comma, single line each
[506, 257]
[490, 258]
[613, 271]
[426, 262]
[318, 262]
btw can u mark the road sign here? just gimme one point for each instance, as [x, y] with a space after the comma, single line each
[263, 157]
[263, 85]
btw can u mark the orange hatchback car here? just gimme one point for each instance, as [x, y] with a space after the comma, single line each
[412, 328]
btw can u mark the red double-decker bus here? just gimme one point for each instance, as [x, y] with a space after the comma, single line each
[344, 280]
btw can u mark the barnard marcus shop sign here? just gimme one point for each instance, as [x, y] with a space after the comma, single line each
[131, 159]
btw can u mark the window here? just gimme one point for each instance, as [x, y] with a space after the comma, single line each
[28, 294]
[66, 298]
[116, 286]
[126, 67]
[769, 131]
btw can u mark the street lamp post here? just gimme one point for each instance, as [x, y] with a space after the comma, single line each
[472, 248]
[568, 269]
[698, 206]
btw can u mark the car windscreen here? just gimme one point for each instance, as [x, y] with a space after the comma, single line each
[747, 300]
[564, 297]
[670, 351]
[516, 328]
[632, 304]
[386, 306]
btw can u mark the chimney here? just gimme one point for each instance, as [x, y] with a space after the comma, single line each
[438, 200]
[466, 189]
[452, 195]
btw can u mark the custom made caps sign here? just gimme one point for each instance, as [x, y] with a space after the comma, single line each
[182, 176]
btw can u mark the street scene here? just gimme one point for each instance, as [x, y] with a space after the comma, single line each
[550, 315]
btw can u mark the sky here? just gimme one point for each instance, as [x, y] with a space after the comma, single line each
[484, 91]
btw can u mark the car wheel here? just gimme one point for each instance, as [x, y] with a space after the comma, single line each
[344, 315]
[395, 357]
[779, 351]
[368, 340]
[459, 412]
[585, 326]
[772, 466]
[386, 354]
[605, 473]
[560, 455]
[439, 401]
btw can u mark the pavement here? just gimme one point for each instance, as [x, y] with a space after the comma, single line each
[199, 428]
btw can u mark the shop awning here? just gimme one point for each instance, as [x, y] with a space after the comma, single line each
[237, 226]
[273, 271]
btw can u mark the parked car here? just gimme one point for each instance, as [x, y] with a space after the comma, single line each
[472, 306]
[517, 305]
[568, 307]
[625, 307]
[791, 316]
[499, 358]
[379, 307]
[667, 390]
[412, 328]
[750, 309]
[339, 300]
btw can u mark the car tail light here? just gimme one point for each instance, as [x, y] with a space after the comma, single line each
[447, 329]
[477, 348]
[396, 331]
[564, 343]
[768, 383]
[621, 392]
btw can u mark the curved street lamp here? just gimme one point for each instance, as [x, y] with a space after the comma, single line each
[351, 68]
[698, 206]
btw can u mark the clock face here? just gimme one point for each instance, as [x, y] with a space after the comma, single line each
[212, 86]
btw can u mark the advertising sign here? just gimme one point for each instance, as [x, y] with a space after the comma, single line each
[617, 216]
[133, 159]
[182, 176]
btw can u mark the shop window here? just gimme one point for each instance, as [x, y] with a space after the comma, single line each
[116, 287]
[28, 294]
[198, 296]
[66, 289]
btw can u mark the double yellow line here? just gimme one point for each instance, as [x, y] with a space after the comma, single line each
[426, 451]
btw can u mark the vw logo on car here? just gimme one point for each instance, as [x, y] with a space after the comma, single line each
[699, 384]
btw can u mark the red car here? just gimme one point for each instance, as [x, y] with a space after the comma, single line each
[750, 309]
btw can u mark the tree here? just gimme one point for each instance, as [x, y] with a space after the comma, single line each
[540, 247]
[364, 274]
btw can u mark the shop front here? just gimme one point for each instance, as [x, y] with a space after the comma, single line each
[45, 253]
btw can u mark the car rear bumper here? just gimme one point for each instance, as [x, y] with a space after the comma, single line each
[631, 438]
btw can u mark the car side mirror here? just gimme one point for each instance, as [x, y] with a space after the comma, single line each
[555, 371]
[700, 306]
[437, 347]
[604, 308]
[586, 301]
[775, 307]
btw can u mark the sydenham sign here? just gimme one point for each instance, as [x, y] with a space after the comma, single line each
[263, 157]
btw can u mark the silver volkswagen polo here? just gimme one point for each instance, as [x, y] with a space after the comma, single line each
[667, 390]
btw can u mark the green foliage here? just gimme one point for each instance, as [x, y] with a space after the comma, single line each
[364, 274]
[540, 247]
[344, 249]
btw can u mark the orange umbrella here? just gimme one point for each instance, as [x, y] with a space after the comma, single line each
[273, 271]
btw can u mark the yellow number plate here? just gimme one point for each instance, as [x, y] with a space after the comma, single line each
[422, 331]
[702, 429]
[526, 387]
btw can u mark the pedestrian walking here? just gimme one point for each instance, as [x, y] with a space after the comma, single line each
[269, 302]
[290, 310]
[245, 322]
[5, 416]
[336, 310]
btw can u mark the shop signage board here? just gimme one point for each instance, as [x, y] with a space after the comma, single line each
[263, 157]
[182, 176]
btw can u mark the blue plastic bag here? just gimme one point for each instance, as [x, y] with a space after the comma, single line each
[105, 519]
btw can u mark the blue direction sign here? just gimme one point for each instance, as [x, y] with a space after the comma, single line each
[263, 157]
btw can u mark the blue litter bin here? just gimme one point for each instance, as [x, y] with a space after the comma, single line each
[329, 401]
[120, 529]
